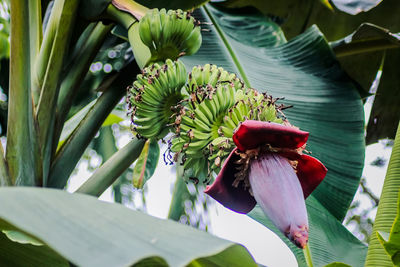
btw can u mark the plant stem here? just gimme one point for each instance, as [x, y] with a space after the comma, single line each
[307, 255]
[135, 9]
[35, 30]
[109, 172]
[22, 151]
[42, 59]
[121, 17]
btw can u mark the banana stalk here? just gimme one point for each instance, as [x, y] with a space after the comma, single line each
[109, 172]
[129, 6]
[35, 36]
[22, 150]
[42, 59]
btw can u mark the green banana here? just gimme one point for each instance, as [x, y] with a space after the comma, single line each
[203, 108]
[200, 116]
[169, 34]
[202, 126]
[152, 95]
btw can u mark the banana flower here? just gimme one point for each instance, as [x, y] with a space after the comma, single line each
[268, 168]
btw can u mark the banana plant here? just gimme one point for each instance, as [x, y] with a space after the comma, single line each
[188, 78]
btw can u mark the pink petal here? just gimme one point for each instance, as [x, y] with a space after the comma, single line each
[277, 190]
[235, 198]
[310, 172]
[252, 134]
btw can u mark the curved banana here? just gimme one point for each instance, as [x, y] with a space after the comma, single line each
[153, 93]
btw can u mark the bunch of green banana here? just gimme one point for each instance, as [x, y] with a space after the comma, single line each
[153, 94]
[201, 125]
[169, 34]
[204, 112]
[207, 130]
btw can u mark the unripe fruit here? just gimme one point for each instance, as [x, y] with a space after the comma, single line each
[169, 34]
[153, 94]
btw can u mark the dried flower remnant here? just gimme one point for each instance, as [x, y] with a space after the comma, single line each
[268, 168]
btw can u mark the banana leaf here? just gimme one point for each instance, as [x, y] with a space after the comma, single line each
[89, 232]
[387, 218]
[296, 16]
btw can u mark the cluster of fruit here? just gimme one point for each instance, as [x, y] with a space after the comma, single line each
[170, 34]
[201, 108]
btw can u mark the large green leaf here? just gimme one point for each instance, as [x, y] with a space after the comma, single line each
[89, 232]
[306, 73]
[296, 16]
[387, 209]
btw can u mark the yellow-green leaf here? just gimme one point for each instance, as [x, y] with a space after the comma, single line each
[387, 212]
[146, 164]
